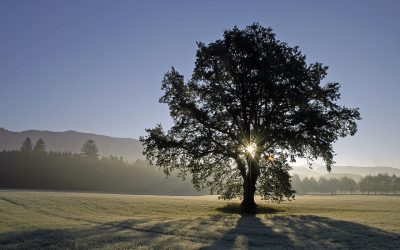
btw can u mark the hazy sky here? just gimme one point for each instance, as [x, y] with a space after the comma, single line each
[97, 66]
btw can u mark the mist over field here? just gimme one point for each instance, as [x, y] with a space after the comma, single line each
[116, 173]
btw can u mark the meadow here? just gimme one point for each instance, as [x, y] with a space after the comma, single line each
[53, 220]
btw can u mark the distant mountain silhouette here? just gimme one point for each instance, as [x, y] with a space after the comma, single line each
[354, 172]
[130, 149]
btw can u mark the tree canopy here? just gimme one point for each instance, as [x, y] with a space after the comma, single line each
[252, 106]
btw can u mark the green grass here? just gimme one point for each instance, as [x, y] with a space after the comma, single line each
[32, 220]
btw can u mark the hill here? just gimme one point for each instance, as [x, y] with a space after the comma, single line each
[130, 149]
[354, 172]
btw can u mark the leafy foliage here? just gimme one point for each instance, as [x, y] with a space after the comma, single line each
[248, 88]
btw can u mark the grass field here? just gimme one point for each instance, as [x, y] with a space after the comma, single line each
[37, 220]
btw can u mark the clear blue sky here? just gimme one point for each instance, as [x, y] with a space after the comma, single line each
[97, 66]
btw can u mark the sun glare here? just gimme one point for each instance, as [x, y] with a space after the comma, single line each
[251, 149]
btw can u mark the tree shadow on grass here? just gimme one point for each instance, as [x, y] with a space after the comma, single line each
[214, 232]
[314, 232]
[251, 233]
[234, 208]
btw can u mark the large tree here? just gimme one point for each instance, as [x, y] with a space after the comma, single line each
[252, 106]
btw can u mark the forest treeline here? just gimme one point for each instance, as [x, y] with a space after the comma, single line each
[378, 184]
[32, 167]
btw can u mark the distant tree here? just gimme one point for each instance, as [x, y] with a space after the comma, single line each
[313, 185]
[26, 145]
[40, 146]
[323, 185]
[397, 184]
[347, 184]
[297, 184]
[386, 183]
[381, 182]
[333, 185]
[353, 186]
[366, 184]
[253, 105]
[306, 185]
[392, 184]
[89, 149]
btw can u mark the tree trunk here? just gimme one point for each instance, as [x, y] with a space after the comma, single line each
[248, 204]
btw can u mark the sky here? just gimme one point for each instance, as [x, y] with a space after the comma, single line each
[97, 66]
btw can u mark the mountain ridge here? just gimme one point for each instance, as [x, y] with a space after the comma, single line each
[356, 172]
[130, 149]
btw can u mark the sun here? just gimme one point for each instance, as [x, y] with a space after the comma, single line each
[251, 149]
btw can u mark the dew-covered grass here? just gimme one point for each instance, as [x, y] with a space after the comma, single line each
[37, 220]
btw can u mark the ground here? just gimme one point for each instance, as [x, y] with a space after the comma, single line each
[37, 220]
